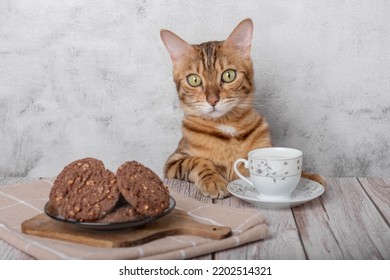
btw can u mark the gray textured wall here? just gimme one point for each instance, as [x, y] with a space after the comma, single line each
[83, 78]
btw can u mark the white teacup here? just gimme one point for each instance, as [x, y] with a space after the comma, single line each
[274, 172]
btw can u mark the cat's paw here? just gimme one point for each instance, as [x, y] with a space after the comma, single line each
[214, 186]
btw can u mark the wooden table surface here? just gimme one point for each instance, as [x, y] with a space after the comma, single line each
[351, 220]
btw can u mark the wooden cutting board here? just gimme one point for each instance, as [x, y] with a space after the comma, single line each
[177, 222]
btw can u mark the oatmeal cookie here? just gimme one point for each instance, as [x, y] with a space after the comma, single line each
[142, 188]
[84, 190]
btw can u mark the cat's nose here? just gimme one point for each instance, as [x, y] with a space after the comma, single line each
[213, 100]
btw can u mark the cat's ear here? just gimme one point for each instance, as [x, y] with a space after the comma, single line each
[241, 37]
[176, 46]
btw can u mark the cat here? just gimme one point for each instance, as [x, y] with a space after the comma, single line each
[215, 86]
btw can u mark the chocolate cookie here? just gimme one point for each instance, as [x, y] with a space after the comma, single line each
[84, 190]
[142, 188]
[124, 213]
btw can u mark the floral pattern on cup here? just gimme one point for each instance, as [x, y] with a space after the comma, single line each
[275, 170]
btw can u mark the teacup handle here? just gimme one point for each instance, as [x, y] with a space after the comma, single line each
[246, 165]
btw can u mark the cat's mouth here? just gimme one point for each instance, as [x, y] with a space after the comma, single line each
[205, 110]
[214, 112]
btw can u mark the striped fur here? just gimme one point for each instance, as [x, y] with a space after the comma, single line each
[214, 136]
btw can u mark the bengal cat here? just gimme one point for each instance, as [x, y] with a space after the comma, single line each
[215, 86]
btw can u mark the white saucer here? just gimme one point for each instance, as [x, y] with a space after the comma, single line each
[306, 190]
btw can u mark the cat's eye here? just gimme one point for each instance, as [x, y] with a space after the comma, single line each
[194, 80]
[228, 76]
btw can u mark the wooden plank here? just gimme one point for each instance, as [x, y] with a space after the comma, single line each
[283, 243]
[316, 234]
[378, 190]
[15, 180]
[187, 189]
[349, 227]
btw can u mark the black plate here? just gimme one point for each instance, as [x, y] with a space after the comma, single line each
[52, 213]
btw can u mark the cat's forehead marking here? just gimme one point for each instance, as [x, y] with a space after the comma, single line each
[208, 54]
